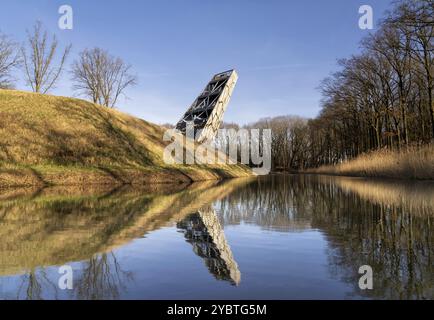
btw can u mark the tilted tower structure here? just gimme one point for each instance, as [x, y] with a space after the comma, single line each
[206, 112]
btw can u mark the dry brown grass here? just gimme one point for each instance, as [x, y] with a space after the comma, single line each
[413, 162]
[56, 140]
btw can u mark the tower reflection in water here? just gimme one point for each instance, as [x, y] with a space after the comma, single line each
[204, 232]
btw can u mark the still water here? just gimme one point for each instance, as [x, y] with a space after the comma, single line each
[276, 237]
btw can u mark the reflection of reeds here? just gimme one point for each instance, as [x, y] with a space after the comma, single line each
[412, 162]
[50, 228]
[417, 197]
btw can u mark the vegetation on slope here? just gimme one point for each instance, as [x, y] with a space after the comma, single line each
[62, 141]
[409, 163]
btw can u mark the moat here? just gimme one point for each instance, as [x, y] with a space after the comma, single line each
[275, 237]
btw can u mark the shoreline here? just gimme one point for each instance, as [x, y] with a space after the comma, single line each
[28, 177]
[15, 176]
[403, 179]
[413, 162]
[331, 174]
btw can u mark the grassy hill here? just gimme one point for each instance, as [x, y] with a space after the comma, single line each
[49, 140]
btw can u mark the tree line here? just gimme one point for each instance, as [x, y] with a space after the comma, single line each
[380, 98]
[95, 74]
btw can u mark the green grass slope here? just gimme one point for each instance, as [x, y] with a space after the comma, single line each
[49, 140]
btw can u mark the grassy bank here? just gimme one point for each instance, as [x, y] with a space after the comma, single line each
[415, 162]
[48, 140]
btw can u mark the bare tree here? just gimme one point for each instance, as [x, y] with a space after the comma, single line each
[379, 98]
[40, 68]
[101, 77]
[288, 140]
[9, 59]
[415, 20]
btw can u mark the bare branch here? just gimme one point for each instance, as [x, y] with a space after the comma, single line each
[101, 77]
[9, 59]
[40, 68]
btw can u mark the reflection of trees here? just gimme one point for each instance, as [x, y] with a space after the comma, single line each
[362, 228]
[32, 284]
[269, 203]
[385, 225]
[101, 278]
[204, 232]
[33, 287]
[396, 241]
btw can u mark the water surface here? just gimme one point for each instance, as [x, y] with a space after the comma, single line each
[277, 237]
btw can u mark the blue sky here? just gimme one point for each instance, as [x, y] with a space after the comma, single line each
[281, 49]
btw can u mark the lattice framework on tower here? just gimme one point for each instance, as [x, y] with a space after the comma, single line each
[206, 112]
